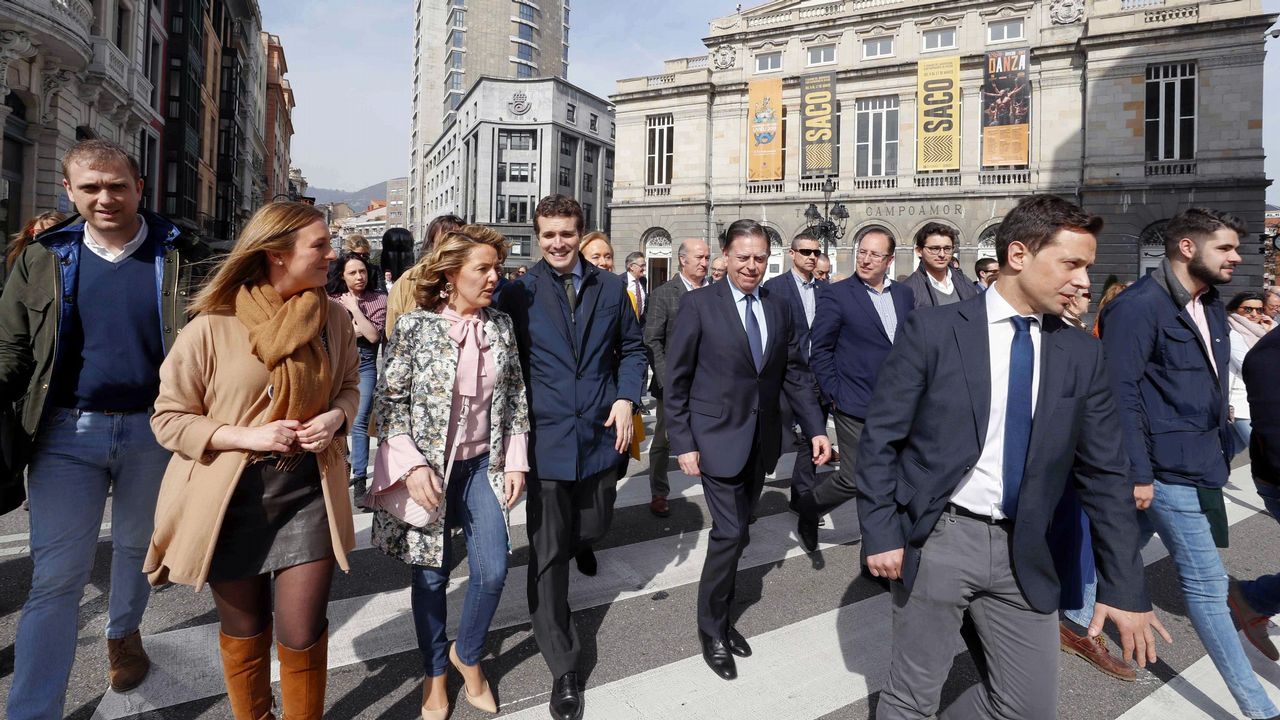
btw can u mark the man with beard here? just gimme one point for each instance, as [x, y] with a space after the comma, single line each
[1167, 355]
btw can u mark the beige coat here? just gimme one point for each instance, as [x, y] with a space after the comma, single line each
[211, 379]
[403, 297]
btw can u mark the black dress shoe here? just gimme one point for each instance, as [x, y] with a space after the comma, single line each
[586, 558]
[718, 656]
[807, 529]
[566, 699]
[737, 644]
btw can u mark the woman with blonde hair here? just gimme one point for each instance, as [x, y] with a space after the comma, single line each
[452, 407]
[403, 295]
[23, 238]
[1108, 295]
[254, 399]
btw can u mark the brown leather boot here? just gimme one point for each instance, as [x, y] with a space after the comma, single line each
[128, 662]
[1095, 652]
[246, 667]
[302, 678]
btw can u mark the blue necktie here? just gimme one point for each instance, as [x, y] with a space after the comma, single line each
[1017, 415]
[753, 335]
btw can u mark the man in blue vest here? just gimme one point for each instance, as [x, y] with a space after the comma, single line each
[86, 319]
[584, 365]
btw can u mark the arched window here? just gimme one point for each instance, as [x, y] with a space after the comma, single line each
[987, 242]
[1151, 247]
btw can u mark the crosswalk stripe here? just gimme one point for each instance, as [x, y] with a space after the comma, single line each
[186, 666]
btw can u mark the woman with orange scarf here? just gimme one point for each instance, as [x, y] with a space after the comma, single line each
[253, 399]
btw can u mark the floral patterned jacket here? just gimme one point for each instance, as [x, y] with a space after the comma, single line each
[414, 397]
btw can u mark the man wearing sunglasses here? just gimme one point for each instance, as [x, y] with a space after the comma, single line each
[935, 282]
[799, 289]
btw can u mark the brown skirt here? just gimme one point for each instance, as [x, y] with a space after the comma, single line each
[276, 519]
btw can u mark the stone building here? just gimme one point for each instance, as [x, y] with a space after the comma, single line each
[1135, 108]
[279, 119]
[397, 202]
[471, 39]
[71, 70]
[513, 142]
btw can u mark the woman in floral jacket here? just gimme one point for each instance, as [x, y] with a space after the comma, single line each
[452, 396]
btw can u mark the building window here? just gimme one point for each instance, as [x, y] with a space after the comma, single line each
[455, 81]
[527, 13]
[524, 52]
[595, 123]
[518, 210]
[566, 177]
[822, 55]
[1004, 31]
[518, 172]
[877, 48]
[608, 159]
[517, 140]
[1171, 112]
[877, 125]
[567, 146]
[519, 244]
[588, 181]
[659, 152]
[942, 39]
[571, 113]
[459, 19]
[589, 154]
[587, 214]
[523, 71]
[608, 188]
[502, 208]
[457, 39]
[768, 62]
[524, 32]
[613, 131]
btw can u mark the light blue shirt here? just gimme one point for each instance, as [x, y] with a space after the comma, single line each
[740, 302]
[808, 295]
[883, 302]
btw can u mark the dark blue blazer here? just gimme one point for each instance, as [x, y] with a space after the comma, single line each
[1264, 407]
[849, 343]
[926, 427]
[784, 286]
[574, 370]
[715, 400]
[1172, 405]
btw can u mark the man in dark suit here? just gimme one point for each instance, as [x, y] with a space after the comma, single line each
[857, 320]
[584, 364]
[936, 282]
[1168, 353]
[799, 289]
[734, 350]
[983, 412]
[637, 284]
[692, 255]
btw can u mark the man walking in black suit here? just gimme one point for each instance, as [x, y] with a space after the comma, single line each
[983, 412]
[733, 352]
[799, 289]
[692, 255]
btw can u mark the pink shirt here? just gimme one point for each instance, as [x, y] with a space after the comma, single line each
[1195, 309]
[473, 388]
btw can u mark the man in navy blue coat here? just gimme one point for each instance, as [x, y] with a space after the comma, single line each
[799, 288]
[857, 320]
[584, 364]
[983, 412]
[734, 350]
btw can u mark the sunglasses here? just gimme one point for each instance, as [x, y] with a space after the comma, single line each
[807, 252]
[1251, 310]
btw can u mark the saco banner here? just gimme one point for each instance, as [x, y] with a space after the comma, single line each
[818, 133]
[938, 114]
[764, 130]
[1006, 108]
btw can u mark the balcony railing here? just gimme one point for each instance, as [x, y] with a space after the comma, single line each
[1004, 177]
[78, 12]
[1171, 167]
[817, 185]
[763, 188]
[110, 62]
[1139, 4]
[141, 88]
[657, 191]
[876, 183]
[945, 179]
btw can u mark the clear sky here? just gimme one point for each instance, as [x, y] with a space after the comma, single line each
[350, 65]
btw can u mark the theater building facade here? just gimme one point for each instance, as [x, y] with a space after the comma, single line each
[907, 112]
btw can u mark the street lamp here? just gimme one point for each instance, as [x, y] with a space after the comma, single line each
[829, 224]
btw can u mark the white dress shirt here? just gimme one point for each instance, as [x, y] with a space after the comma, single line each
[103, 252]
[740, 302]
[946, 287]
[808, 295]
[637, 290]
[982, 489]
[688, 285]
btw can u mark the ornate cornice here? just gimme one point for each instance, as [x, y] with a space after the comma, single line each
[14, 45]
[54, 80]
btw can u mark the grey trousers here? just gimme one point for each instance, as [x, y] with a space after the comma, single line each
[839, 487]
[659, 454]
[965, 565]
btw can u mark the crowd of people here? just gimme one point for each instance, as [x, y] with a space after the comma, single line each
[1007, 465]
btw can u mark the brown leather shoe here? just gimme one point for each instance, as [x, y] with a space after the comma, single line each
[1251, 622]
[1095, 652]
[129, 662]
[658, 506]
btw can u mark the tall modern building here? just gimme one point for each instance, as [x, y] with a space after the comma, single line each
[456, 42]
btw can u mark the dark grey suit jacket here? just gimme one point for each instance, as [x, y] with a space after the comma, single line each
[926, 426]
[663, 303]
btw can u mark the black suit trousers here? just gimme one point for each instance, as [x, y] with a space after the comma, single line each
[730, 501]
[563, 517]
[804, 474]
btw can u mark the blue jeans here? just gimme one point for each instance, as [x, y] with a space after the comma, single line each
[471, 503]
[78, 457]
[360, 430]
[1243, 429]
[1263, 594]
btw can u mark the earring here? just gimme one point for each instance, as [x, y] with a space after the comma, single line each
[447, 291]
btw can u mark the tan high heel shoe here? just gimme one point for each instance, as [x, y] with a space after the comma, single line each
[430, 714]
[482, 700]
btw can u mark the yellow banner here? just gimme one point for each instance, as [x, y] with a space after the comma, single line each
[764, 130]
[938, 114]
[818, 157]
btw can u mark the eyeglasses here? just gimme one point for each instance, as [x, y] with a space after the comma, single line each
[864, 254]
[807, 252]
[1251, 310]
[938, 250]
